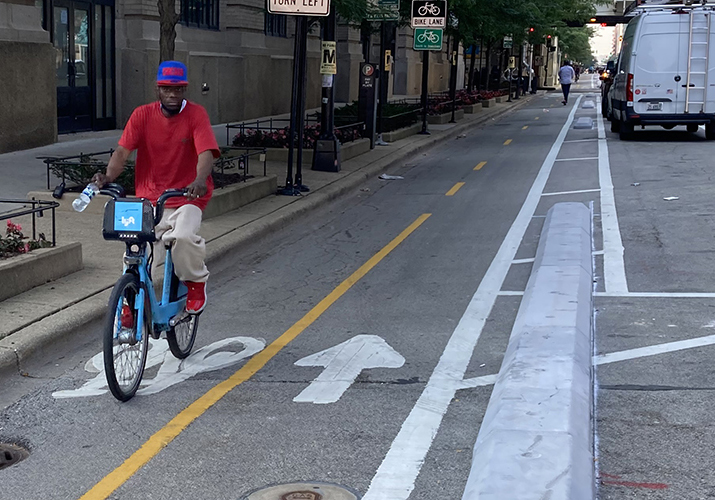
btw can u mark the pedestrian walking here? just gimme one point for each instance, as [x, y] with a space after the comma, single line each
[566, 77]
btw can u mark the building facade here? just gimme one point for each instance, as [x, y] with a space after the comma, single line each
[82, 65]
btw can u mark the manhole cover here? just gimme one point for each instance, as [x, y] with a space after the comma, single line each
[10, 454]
[302, 491]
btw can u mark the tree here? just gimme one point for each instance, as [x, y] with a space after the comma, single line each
[167, 28]
[575, 43]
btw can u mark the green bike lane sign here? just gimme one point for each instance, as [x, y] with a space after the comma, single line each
[428, 39]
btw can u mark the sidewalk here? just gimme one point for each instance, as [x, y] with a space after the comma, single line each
[37, 319]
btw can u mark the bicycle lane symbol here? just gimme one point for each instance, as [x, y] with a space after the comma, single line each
[171, 370]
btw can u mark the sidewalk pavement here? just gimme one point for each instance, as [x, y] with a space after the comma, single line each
[37, 319]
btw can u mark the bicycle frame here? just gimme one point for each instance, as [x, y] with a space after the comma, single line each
[161, 311]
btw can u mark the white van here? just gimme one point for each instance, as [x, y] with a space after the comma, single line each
[664, 75]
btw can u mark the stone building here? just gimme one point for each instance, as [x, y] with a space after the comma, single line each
[82, 65]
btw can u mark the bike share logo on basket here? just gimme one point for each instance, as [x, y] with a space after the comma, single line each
[127, 216]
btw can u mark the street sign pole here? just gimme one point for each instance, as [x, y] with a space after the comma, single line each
[510, 71]
[301, 106]
[289, 189]
[326, 156]
[425, 82]
[453, 77]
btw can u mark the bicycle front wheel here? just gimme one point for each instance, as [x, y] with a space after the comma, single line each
[124, 353]
[181, 337]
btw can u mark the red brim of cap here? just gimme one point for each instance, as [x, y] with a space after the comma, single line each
[171, 83]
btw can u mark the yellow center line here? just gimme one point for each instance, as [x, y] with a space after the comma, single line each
[454, 189]
[524, 127]
[170, 431]
[480, 166]
[507, 142]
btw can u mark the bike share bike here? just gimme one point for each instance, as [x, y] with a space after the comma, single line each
[134, 312]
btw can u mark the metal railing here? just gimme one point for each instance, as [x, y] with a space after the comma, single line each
[269, 125]
[37, 211]
[62, 163]
[344, 135]
[240, 161]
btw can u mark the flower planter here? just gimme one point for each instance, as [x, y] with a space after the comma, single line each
[489, 103]
[347, 151]
[401, 133]
[445, 117]
[21, 273]
[223, 200]
[502, 99]
[473, 108]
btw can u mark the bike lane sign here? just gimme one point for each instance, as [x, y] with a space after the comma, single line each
[428, 39]
[429, 14]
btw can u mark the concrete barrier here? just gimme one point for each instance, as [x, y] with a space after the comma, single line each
[237, 195]
[21, 273]
[535, 441]
[489, 103]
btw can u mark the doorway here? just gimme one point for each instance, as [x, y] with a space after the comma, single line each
[83, 37]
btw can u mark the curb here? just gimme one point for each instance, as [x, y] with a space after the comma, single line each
[39, 337]
[536, 439]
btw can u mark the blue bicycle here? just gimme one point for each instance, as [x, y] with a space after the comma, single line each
[134, 312]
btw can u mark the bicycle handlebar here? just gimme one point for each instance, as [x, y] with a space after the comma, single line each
[116, 191]
[169, 193]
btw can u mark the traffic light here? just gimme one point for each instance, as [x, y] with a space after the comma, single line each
[531, 30]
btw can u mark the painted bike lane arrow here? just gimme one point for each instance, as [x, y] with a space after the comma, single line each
[343, 363]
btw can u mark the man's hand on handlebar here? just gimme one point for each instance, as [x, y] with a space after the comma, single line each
[196, 189]
[100, 179]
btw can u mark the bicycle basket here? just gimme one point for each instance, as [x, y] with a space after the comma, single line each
[129, 219]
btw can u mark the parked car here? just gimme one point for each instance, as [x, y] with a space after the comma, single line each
[606, 81]
[662, 77]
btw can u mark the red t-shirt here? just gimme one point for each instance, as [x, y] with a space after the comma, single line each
[168, 149]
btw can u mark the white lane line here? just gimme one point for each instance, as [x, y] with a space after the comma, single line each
[510, 293]
[659, 295]
[522, 261]
[395, 478]
[579, 159]
[580, 140]
[471, 383]
[571, 192]
[652, 350]
[614, 268]
[598, 252]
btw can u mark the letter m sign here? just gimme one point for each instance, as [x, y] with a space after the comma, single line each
[328, 63]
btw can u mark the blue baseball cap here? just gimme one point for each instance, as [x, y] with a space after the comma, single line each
[172, 73]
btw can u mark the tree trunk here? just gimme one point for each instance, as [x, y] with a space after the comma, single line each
[167, 29]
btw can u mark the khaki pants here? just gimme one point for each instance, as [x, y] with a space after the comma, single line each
[179, 228]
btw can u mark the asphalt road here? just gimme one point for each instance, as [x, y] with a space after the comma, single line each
[374, 419]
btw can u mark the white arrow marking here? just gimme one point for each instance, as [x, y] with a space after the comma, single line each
[343, 363]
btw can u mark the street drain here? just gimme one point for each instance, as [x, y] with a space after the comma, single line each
[10, 454]
[302, 491]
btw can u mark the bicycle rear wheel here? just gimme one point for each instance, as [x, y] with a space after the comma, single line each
[124, 354]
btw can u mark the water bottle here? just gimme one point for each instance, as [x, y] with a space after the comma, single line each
[85, 197]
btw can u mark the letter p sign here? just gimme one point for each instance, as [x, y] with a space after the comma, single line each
[328, 62]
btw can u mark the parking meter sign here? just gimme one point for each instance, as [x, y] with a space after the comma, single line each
[428, 39]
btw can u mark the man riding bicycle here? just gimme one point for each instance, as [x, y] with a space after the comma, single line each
[176, 148]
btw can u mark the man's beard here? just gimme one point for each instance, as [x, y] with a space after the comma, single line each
[171, 112]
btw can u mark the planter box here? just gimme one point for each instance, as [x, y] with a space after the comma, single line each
[401, 133]
[473, 108]
[489, 103]
[502, 98]
[223, 200]
[21, 273]
[235, 196]
[347, 151]
[445, 117]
